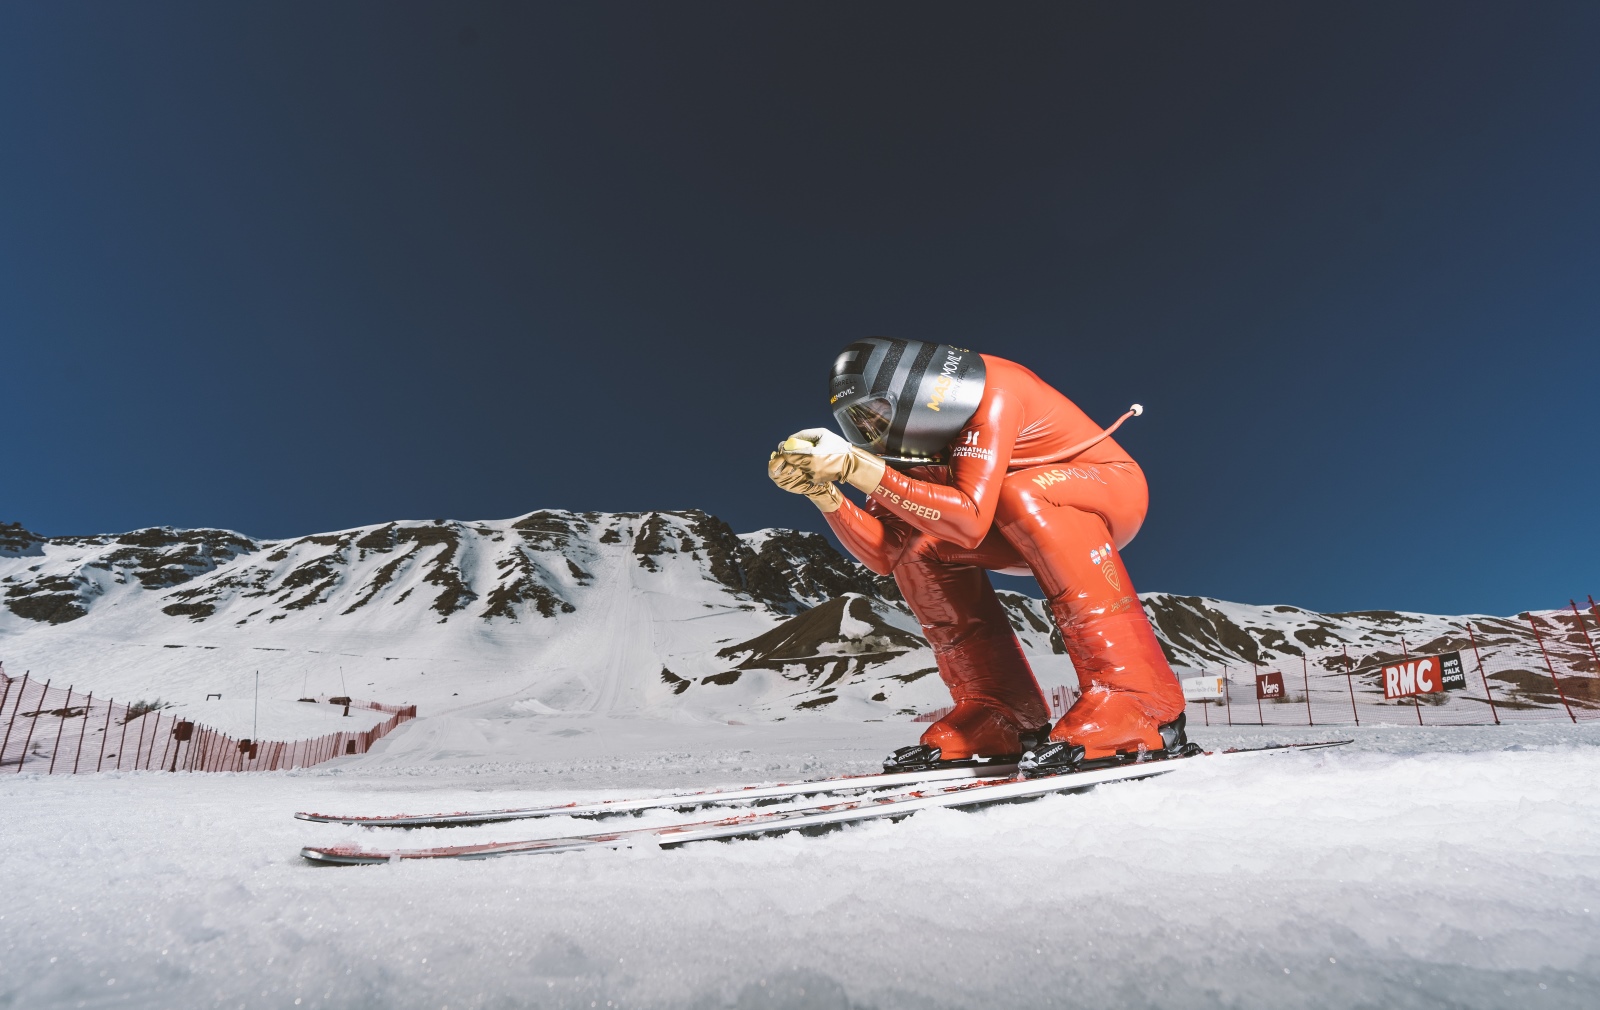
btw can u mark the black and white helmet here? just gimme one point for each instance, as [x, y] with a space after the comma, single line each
[905, 400]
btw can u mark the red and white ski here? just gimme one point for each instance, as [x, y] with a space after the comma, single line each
[676, 800]
[891, 805]
[850, 810]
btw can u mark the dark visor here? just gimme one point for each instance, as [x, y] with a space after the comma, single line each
[870, 418]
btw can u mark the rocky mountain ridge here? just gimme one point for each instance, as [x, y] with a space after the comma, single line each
[561, 611]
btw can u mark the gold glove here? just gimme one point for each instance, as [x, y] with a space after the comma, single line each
[792, 479]
[824, 457]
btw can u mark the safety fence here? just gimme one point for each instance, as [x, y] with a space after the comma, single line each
[58, 731]
[1482, 673]
[1537, 667]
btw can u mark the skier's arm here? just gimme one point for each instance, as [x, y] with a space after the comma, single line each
[961, 511]
[875, 542]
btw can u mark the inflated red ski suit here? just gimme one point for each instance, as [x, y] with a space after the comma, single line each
[937, 528]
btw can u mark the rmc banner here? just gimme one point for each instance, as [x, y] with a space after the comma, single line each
[1424, 675]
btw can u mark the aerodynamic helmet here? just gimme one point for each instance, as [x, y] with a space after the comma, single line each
[905, 400]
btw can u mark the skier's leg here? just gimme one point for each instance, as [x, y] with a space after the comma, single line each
[1068, 523]
[997, 700]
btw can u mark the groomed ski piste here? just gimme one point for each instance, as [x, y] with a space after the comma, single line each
[1416, 867]
[1450, 867]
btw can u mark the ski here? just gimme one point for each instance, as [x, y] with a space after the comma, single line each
[678, 800]
[893, 805]
[849, 810]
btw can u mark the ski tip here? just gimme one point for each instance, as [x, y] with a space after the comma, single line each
[1313, 745]
[340, 857]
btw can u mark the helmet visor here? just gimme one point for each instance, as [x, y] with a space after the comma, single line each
[866, 422]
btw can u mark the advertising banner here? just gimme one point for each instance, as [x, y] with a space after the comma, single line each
[1424, 675]
[1269, 686]
[1203, 689]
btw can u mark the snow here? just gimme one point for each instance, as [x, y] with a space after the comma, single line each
[1448, 867]
[1417, 867]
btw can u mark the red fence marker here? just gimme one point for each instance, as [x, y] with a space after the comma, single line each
[1305, 681]
[88, 706]
[1481, 676]
[29, 738]
[105, 733]
[1585, 629]
[1350, 684]
[122, 742]
[1227, 692]
[1405, 650]
[1548, 666]
[61, 724]
[13, 711]
[172, 731]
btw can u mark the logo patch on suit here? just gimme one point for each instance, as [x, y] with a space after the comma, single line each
[1107, 561]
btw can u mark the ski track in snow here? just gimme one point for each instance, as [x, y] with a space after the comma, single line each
[1417, 868]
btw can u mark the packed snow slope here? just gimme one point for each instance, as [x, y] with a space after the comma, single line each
[668, 614]
[1418, 868]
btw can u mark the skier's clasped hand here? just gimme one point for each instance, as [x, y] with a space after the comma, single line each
[824, 457]
[794, 480]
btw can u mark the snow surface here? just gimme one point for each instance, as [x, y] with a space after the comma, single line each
[1450, 867]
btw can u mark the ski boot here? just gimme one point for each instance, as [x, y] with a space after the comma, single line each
[973, 735]
[1058, 756]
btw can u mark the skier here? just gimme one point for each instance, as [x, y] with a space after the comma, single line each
[972, 462]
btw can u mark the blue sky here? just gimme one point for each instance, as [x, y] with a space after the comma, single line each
[286, 268]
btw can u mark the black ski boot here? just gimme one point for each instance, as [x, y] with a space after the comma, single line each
[1176, 740]
[916, 758]
[921, 757]
[1059, 756]
[1053, 758]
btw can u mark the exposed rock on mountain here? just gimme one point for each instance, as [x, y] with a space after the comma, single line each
[595, 611]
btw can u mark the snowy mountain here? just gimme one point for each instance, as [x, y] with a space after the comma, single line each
[656, 612]
[662, 613]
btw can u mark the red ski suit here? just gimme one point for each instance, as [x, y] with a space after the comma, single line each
[936, 529]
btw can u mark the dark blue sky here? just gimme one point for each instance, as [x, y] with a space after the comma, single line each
[291, 267]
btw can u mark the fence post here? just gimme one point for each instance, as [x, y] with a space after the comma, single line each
[122, 739]
[14, 710]
[1305, 680]
[1227, 693]
[88, 706]
[4, 696]
[29, 738]
[1585, 629]
[105, 733]
[60, 726]
[166, 746]
[1481, 676]
[1549, 666]
[1255, 668]
[151, 752]
[1350, 684]
[1405, 650]
[138, 745]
